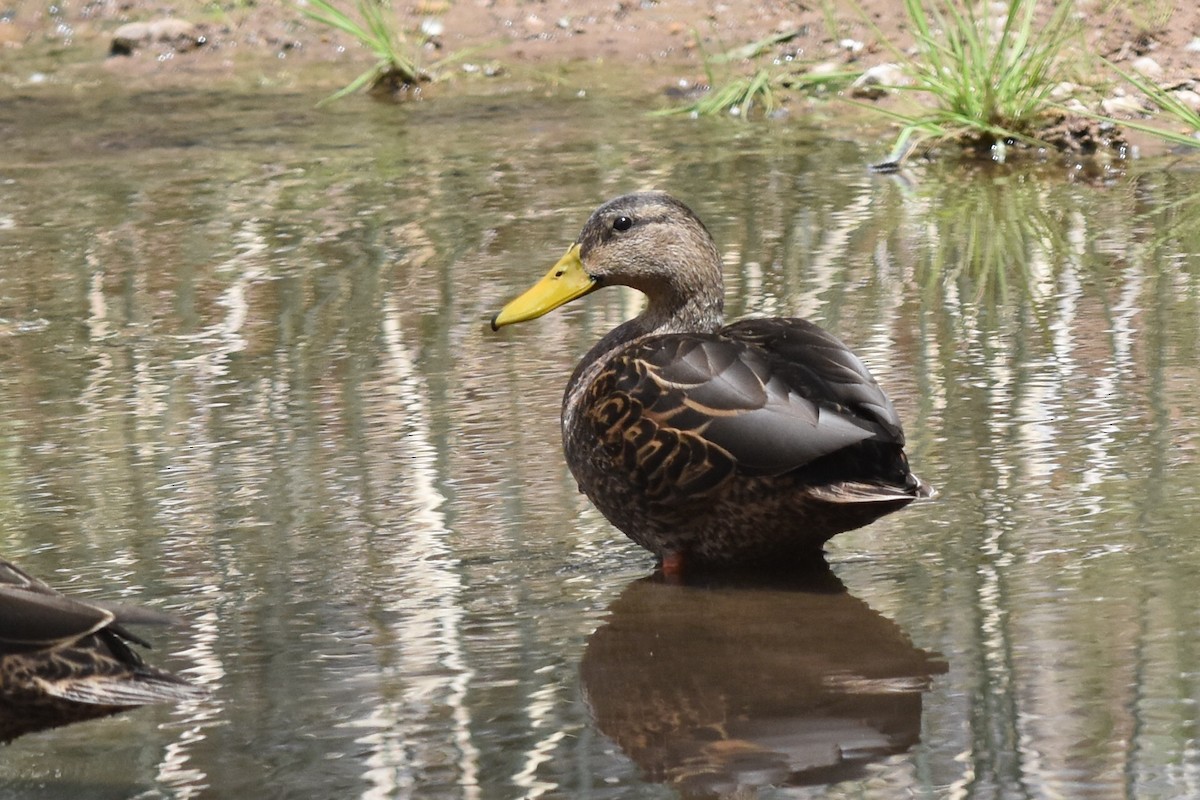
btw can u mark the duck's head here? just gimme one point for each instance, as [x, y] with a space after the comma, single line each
[647, 240]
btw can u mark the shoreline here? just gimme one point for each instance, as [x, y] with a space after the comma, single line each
[655, 50]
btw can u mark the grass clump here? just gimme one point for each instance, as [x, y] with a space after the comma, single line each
[397, 69]
[740, 96]
[737, 97]
[990, 77]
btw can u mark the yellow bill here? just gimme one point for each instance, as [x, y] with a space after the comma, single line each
[566, 281]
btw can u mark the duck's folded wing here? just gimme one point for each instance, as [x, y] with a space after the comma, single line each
[817, 365]
[686, 410]
[35, 618]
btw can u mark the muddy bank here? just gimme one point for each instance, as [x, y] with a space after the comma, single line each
[590, 45]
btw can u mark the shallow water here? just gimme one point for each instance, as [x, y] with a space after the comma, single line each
[245, 375]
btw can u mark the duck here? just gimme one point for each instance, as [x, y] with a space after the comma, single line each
[712, 444]
[66, 659]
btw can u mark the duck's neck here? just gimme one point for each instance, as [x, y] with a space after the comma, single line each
[669, 312]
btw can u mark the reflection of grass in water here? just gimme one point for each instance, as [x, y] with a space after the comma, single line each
[995, 238]
[1173, 218]
[1013, 246]
[1180, 223]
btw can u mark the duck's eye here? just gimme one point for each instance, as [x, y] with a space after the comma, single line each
[622, 224]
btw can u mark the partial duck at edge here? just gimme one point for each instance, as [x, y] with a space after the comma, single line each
[65, 659]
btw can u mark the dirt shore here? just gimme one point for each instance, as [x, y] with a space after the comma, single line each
[661, 46]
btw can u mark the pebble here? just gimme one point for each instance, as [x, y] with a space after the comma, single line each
[1063, 91]
[1147, 66]
[1189, 98]
[1122, 104]
[873, 83]
[179, 34]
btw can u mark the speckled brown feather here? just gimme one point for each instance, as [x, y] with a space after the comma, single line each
[730, 457]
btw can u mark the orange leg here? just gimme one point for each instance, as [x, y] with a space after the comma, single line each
[672, 563]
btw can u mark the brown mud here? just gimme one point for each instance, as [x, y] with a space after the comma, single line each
[592, 45]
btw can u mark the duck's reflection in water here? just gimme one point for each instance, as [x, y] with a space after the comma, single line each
[720, 685]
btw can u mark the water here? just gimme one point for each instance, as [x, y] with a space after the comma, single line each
[245, 375]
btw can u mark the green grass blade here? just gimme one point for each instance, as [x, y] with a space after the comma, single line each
[358, 83]
[1159, 96]
[326, 14]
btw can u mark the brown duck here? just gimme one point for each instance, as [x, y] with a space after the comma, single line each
[65, 660]
[741, 444]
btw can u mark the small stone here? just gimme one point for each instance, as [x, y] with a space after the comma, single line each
[1147, 66]
[177, 33]
[1063, 91]
[825, 68]
[1193, 46]
[875, 82]
[1122, 105]
[1189, 98]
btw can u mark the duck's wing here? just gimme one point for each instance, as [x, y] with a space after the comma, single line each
[33, 614]
[64, 660]
[681, 412]
[814, 363]
[33, 619]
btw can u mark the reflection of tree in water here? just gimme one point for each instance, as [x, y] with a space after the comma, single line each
[210, 373]
[736, 684]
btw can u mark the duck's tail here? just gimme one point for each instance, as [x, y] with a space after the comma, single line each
[865, 492]
[919, 489]
[147, 686]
